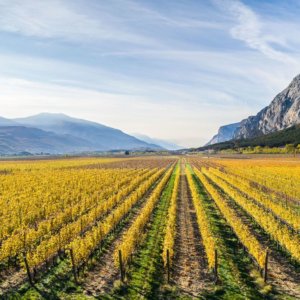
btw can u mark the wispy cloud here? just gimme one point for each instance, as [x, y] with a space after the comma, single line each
[144, 12]
[173, 69]
[73, 21]
[249, 29]
[62, 20]
[125, 111]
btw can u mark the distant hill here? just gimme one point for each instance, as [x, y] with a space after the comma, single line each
[225, 133]
[59, 133]
[162, 143]
[283, 112]
[280, 138]
[7, 122]
[17, 139]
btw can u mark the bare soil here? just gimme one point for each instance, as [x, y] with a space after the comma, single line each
[281, 274]
[11, 278]
[101, 278]
[190, 267]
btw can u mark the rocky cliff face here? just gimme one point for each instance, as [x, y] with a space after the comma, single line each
[225, 133]
[283, 112]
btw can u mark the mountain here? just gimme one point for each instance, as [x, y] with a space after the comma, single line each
[280, 138]
[283, 112]
[7, 122]
[17, 139]
[100, 137]
[162, 143]
[225, 133]
[59, 134]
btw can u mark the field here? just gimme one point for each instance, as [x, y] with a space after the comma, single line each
[150, 228]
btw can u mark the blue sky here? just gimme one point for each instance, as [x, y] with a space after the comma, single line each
[171, 69]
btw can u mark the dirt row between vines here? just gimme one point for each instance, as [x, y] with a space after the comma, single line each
[190, 273]
[13, 278]
[282, 275]
[101, 278]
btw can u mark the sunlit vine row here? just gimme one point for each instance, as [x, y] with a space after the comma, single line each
[276, 229]
[242, 231]
[169, 238]
[278, 208]
[84, 213]
[84, 246]
[205, 227]
[280, 176]
[132, 237]
[86, 223]
[29, 198]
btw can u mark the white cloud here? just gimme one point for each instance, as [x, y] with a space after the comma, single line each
[176, 121]
[187, 107]
[143, 12]
[174, 81]
[249, 29]
[62, 20]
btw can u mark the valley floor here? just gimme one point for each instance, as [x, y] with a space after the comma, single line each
[249, 210]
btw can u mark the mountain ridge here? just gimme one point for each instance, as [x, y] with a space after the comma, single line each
[17, 139]
[283, 112]
[290, 135]
[224, 134]
[79, 134]
[162, 143]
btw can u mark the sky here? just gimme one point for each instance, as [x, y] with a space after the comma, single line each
[169, 69]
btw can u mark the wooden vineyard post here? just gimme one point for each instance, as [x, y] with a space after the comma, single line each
[168, 265]
[121, 266]
[266, 266]
[131, 257]
[216, 266]
[73, 265]
[114, 225]
[101, 240]
[28, 269]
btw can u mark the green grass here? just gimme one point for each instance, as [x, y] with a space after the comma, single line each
[58, 282]
[265, 289]
[239, 278]
[272, 244]
[235, 265]
[146, 274]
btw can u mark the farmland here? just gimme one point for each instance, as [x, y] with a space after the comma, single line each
[150, 228]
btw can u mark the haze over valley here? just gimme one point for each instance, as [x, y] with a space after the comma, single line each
[171, 71]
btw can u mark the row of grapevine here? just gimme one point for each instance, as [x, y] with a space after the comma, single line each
[61, 227]
[242, 231]
[281, 176]
[171, 222]
[28, 239]
[287, 214]
[53, 164]
[132, 237]
[35, 201]
[205, 227]
[84, 246]
[90, 221]
[274, 227]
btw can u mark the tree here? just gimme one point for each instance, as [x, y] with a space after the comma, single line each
[290, 148]
[258, 149]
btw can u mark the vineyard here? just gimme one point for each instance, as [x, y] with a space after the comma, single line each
[150, 228]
